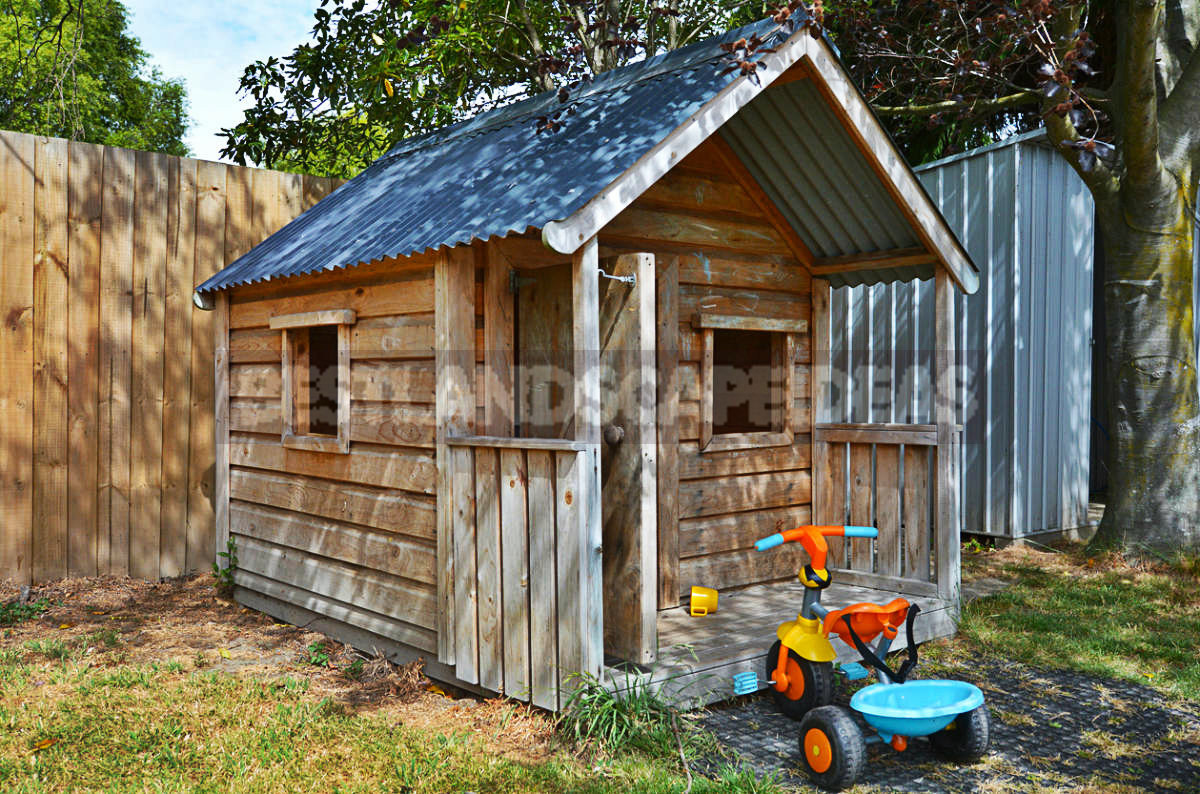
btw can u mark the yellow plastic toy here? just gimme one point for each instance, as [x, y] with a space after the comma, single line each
[704, 601]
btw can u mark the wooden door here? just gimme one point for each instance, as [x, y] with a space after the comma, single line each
[544, 354]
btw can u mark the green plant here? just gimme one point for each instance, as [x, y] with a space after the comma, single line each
[318, 655]
[108, 637]
[354, 670]
[51, 649]
[637, 718]
[15, 612]
[224, 575]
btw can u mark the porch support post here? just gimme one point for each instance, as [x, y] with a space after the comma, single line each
[946, 510]
[585, 315]
[454, 332]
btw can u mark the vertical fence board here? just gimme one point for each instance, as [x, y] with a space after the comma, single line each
[514, 543]
[916, 512]
[860, 504]
[570, 611]
[50, 301]
[209, 258]
[146, 425]
[887, 508]
[836, 501]
[85, 174]
[16, 355]
[116, 318]
[177, 356]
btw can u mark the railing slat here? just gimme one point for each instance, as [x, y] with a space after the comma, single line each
[860, 504]
[887, 508]
[543, 612]
[462, 517]
[487, 545]
[916, 512]
[570, 612]
[514, 532]
[836, 502]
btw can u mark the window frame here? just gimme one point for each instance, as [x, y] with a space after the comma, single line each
[784, 353]
[289, 325]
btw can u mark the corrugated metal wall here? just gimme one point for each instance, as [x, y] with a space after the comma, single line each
[1024, 338]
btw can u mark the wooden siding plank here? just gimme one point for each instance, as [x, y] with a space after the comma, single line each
[695, 465]
[177, 374]
[407, 469]
[387, 553]
[466, 612]
[642, 226]
[514, 571]
[861, 557]
[222, 422]
[402, 424]
[50, 310]
[696, 299]
[916, 512]
[747, 491]
[403, 336]
[760, 272]
[254, 345]
[388, 510]
[116, 309]
[887, 508]
[667, 363]
[85, 175]
[498, 352]
[209, 257]
[741, 567]
[149, 285]
[543, 579]
[394, 381]
[405, 292]
[734, 531]
[388, 595]
[16, 349]
[488, 561]
[571, 628]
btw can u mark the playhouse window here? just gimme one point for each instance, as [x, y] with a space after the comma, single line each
[316, 379]
[746, 390]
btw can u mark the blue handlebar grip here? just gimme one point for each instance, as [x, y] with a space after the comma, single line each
[861, 532]
[769, 542]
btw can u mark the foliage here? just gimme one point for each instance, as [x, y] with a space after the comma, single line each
[16, 612]
[224, 574]
[69, 68]
[318, 655]
[637, 719]
[375, 73]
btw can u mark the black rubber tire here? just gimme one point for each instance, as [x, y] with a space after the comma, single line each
[818, 684]
[966, 739]
[849, 749]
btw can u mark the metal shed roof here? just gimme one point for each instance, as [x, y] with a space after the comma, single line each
[493, 175]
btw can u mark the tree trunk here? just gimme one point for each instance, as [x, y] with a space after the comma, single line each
[1154, 408]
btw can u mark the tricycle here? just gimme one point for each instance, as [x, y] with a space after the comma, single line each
[799, 670]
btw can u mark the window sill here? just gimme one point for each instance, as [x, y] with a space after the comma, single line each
[730, 443]
[317, 444]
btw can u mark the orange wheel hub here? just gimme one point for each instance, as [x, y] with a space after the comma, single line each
[817, 751]
[795, 679]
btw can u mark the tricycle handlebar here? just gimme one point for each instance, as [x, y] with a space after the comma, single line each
[780, 538]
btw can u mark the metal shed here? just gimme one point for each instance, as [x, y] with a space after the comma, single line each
[1025, 362]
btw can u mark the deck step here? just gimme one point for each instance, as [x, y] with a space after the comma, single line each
[854, 671]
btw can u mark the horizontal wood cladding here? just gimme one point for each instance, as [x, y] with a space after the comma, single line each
[397, 337]
[739, 568]
[403, 424]
[406, 292]
[348, 613]
[387, 509]
[367, 548]
[694, 192]
[689, 381]
[690, 345]
[403, 468]
[699, 298]
[652, 226]
[401, 599]
[689, 418]
[694, 464]
[738, 531]
[744, 493]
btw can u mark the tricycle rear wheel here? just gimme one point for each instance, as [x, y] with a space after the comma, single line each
[965, 739]
[810, 684]
[832, 747]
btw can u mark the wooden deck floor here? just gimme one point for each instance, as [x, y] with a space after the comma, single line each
[698, 657]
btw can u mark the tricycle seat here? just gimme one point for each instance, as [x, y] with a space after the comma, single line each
[868, 620]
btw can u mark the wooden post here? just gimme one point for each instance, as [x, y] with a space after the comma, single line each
[221, 423]
[586, 334]
[497, 344]
[946, 480]
[827, 503]
[629, 487]
[667, 365]
[454, 321]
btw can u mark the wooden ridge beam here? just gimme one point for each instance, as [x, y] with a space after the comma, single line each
[898, 257]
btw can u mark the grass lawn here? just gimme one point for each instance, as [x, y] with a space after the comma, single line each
[114, 685]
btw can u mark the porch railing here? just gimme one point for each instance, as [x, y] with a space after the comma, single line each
[527, 572]
[880, 475]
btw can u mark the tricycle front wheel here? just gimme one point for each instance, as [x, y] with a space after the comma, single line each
[965, 739]
[810, 684]
[833, 747]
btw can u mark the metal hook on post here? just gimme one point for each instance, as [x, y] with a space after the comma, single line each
[631, 279]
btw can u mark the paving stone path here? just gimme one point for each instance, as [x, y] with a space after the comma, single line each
[1050, 730]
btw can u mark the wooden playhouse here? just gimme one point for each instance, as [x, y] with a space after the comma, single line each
[503, 398]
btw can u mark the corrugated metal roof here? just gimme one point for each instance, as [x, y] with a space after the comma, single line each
[492, 175]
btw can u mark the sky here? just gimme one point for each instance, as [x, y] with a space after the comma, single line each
[208, 44]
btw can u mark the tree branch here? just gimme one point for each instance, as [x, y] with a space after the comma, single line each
[974, 106]
[1099, 178]
[1137, 95]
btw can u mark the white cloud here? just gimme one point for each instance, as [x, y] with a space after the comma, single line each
[208, 45]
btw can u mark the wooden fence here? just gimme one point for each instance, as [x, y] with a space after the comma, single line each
[106, 388]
